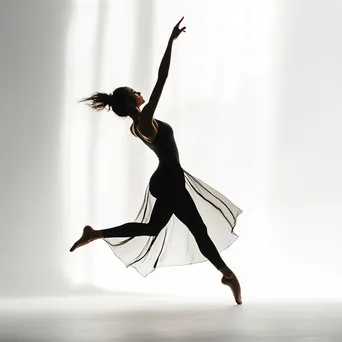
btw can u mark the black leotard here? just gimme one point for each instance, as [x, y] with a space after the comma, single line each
[168, 179]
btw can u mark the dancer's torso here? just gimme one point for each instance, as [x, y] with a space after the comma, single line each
[168, 179]
[163, 144]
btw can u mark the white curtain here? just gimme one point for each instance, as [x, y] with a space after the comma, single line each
[253, 97]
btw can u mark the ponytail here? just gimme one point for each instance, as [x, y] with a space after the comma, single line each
[98, 101]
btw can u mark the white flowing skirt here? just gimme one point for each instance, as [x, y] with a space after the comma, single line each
[175, 245]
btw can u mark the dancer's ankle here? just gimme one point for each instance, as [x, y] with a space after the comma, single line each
[97, 234]
[226, 271]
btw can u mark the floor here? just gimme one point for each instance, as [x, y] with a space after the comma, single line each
[135, 318]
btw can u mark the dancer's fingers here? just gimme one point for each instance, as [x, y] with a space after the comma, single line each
[180, 21]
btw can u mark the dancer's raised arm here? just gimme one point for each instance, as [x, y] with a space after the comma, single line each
[163, 72]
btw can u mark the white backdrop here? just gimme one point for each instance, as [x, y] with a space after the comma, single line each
[252, 95]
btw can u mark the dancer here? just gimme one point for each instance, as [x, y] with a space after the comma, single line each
[169, 229]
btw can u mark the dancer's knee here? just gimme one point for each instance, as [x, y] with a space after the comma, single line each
[154, 229]
[201, 236]
[202, 231]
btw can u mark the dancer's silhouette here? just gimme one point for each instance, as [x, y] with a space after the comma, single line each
[146, 243]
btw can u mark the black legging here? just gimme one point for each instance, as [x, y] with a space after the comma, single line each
[184, 208]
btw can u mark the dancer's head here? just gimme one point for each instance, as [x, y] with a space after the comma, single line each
[124, 101]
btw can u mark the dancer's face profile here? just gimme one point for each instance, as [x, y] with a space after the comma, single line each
[135, 97]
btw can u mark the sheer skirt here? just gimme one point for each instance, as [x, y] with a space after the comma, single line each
[175, 245]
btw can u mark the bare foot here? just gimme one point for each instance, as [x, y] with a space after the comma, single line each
[234, 285]
[87, 236]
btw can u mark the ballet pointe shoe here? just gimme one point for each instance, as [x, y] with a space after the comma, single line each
[233, 282]
[87, 237]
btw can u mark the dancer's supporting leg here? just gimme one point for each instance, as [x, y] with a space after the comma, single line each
[186, 211]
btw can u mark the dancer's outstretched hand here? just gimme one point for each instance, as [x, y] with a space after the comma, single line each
[177, 31]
